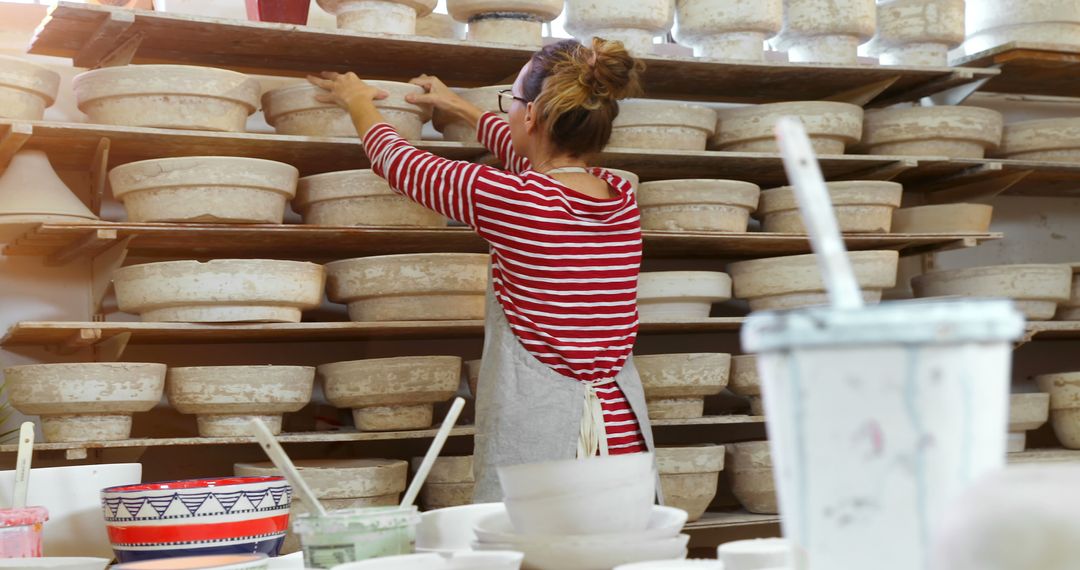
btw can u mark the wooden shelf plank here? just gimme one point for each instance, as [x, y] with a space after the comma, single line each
[1051, 330]
[333, 437]
[58, 334]
[1054, 179]
[1030, 68]
[1044, 456]
[725, 519]
[316, 243]
[74, 145]
[279, 49]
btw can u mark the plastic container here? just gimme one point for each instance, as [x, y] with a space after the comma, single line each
[20, 532]
[356, 534]
[283, 11]
[878, 419]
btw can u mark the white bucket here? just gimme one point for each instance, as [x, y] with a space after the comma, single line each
[878, 419]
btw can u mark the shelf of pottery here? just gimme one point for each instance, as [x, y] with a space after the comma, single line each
[205, 255]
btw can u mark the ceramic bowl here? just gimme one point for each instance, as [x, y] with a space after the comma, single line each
[72, 496]
[753, 554]
[451, 529]
[496, 527]
[236, 515]
[490, 560]
[55, 563]
[556, 477]
[581, 553]
[210, 562]
[673, 565]
[624, 506]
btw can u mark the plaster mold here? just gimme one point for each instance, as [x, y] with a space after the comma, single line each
[359, 198]
[206, 189]
[680, 295]
[411, 287]
[294, 110]
[689, 476]
[226, 398]
[220, 291]
[26, 89]
[389, 394]
[697, 205]
[1037, 289]
[728, 29]
[831, 126]
[85, 401]
[676, 384]
[826, 31]
[635, 24]
[864, 206]
[791, 282]
[952, 131]
[168, 97]
[648, 123]
[378, 16]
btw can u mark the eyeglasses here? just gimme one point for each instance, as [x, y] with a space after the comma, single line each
[508, 94]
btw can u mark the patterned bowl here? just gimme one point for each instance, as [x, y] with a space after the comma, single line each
[196, 517]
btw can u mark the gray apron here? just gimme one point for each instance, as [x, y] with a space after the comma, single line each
[525, 411]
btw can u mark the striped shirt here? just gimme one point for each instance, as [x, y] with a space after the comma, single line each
[564, 264]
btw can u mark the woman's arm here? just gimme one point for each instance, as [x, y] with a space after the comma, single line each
[443, 185]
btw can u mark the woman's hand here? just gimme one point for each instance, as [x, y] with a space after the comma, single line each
[345, 89]
[446, 105]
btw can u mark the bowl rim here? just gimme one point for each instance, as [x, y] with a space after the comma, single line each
[188, 484]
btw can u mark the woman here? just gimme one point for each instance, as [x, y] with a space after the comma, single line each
[557, 380]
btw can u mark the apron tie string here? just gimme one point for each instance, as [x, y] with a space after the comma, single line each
[593, 439]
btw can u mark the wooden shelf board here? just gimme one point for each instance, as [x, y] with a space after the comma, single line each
[725, 519]
[337, 436]
[76, 31]
[1030, 68]
[1049, 330]
[1054, 179]
[1044, 456]
[73, 146]
[329, 243]
[57, 334]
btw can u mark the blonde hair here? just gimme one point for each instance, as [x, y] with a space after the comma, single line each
[576, 90]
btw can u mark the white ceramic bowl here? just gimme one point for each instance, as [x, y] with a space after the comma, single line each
[73, 497]
[580, 553]
[674, 565]
[664, 522]
[754, 554]
[624, 506]
[491, 560]
[560, 477]
[451, 529]
[57, 563]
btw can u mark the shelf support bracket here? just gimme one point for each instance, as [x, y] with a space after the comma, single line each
[12, 139]
[887, 172]
[105, 48]
[82, 339]
[91, 242]
[861, 96]
[99, 170]
[103, 266]
[956, 95]
[112, 348]
[979, 190]
[75, 454]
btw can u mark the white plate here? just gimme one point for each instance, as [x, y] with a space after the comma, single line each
[664, 522]
[451, 529]
[574, 555]
[55, 563]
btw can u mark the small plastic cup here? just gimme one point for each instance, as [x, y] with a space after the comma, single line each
[356, 534]
[20, 532]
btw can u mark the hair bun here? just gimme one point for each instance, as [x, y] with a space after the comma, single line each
[609, 71]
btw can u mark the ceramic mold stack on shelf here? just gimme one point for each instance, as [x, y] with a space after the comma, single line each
[686, 212]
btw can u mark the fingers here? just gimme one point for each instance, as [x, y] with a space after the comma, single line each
[323, 83]
[330, 75]
[325, 98]
[420, 98]
[422, 81]
[380, 95]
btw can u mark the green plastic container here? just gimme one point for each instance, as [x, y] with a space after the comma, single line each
[356, 534]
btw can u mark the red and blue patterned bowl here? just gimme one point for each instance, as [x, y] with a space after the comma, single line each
[197, 517]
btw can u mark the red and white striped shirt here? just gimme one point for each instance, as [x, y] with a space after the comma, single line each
[564, 265]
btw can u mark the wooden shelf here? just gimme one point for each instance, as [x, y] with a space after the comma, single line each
[62, 243]
[1044, 456]
[90, 34]
[726, 519]
[68, 336]
[75, 449]
[1053, 330]
[1030, 68]
[73, 146]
